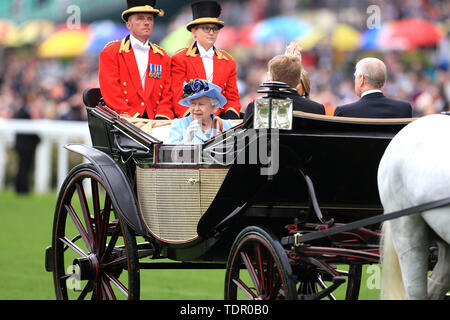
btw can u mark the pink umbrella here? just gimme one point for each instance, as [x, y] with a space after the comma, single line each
[227, 37]
[410, 34]
[245, 35]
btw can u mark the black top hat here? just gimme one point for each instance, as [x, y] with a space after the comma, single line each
[141, 6]
[205, 12]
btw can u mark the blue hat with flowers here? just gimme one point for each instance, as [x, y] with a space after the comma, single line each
[197, 88]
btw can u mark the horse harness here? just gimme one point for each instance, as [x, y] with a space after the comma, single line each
[298, 239]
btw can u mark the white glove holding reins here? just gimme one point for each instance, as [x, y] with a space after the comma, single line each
[191, 131]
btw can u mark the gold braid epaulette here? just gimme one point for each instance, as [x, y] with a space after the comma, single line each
[222, 54]
[125, 45]
[110, 43]
[157, 49]
[192, 51]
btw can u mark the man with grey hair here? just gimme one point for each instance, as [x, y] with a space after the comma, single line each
[370, 77]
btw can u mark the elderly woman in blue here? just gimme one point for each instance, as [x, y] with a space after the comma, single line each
[203, 98]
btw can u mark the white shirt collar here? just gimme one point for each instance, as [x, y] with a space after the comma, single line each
[204, 53]
[137, 44]
[370, 91]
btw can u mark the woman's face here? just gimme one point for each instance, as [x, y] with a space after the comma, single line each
[206, 34]
[201, 108]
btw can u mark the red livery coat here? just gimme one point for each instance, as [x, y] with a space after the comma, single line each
[121, 86]
[187, 64]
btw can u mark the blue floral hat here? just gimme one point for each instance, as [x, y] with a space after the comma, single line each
[198, 88]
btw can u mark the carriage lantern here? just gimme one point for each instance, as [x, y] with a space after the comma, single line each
[273, 111]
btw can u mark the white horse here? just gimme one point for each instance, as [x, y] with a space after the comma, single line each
[415, 169]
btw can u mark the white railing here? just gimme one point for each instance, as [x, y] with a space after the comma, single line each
[50, 132]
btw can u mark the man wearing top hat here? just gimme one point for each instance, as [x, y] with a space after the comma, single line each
[134, 74]
[204, 61]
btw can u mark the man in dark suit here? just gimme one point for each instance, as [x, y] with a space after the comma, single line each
[25, 146]
[370, 76]
[288, 69]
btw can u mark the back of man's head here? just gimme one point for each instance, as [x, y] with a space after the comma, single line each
[287, 69]
[374, 70]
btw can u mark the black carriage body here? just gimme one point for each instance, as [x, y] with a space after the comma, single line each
[243, 201]
[325, 165]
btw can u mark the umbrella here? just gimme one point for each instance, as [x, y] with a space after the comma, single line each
[370, 39]
[345, 38]
[410, 34]
[227, 37]
[102, 32]
[403, 34]
[280, 28]
[381, 39]
[65, 43]
[175, 40]
[245, 35]
[9, 34]
[35, 31]
[312, 38]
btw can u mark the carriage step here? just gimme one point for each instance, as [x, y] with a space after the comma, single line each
[49, 266]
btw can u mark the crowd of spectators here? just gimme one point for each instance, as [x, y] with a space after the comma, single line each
[52, 88]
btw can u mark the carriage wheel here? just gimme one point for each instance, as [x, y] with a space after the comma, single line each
[354, 282]
[314, 283]
[258, 268]
[94, 251]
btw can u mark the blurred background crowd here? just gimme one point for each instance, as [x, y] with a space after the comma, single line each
[47, 61]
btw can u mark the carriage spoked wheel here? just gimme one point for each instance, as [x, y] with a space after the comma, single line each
[94, 252]
[316, 281]
[258, 268]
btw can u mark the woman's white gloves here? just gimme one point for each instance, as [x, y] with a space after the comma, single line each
[191, 131]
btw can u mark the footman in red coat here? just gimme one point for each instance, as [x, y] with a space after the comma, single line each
[134, 74]
[204, 61]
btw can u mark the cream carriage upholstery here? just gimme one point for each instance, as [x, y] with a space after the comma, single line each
[156, 128]
[172, 201]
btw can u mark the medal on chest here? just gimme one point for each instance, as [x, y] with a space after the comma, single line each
[155, 70]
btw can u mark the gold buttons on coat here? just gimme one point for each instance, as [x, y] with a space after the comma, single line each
[124, 84]
[142, 104]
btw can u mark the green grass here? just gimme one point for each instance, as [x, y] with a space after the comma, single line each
[26, 231]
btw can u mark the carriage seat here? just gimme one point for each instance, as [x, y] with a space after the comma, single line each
[92, 97]
[156, 128]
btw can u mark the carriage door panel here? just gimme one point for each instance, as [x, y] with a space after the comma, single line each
[172, 201]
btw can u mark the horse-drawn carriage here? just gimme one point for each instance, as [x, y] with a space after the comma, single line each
[242, 201]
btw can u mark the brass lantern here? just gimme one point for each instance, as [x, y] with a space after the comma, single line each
[273, 111]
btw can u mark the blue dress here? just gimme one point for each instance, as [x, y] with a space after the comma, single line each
[179, 128]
